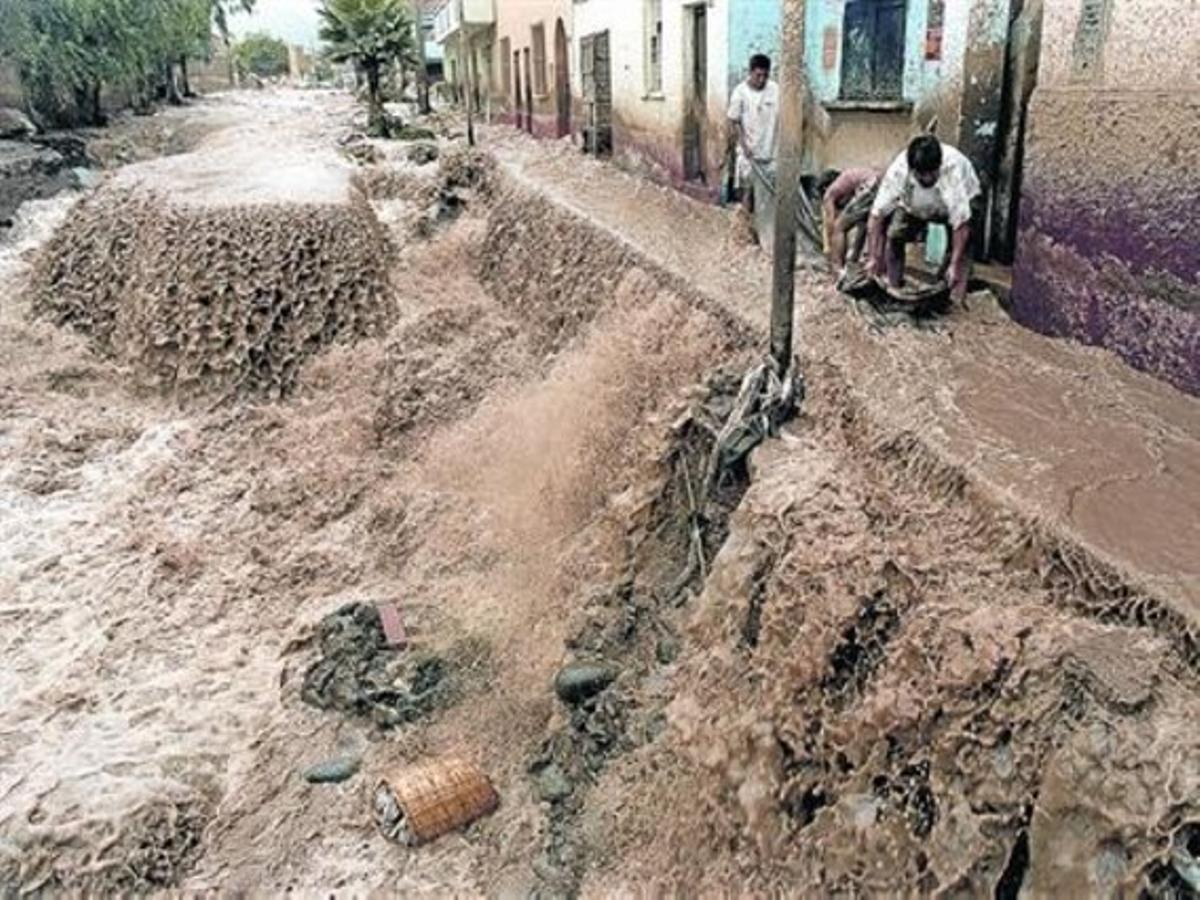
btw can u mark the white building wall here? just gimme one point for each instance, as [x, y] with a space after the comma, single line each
[648, 127]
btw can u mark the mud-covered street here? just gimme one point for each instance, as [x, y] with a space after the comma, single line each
[254, 392]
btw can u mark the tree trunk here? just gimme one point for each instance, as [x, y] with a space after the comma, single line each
[170, 85]
[470, 92]
[82, 114]
[98, 116]
[184, 79]
[376, 117]
[787, 182]
[423, 106]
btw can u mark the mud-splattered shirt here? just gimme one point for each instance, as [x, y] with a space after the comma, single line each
[947, 201]
[758, 114]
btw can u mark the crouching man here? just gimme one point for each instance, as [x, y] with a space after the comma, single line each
[929, 182]
[847, 199]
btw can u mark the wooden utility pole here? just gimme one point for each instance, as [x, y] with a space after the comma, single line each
[470, 77]
[423, 74]
[791, 151]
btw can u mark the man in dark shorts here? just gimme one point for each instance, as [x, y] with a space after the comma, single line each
[846, 201]
[928, 182]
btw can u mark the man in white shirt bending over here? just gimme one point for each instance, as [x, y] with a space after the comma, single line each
[754, 119]
[928, 182]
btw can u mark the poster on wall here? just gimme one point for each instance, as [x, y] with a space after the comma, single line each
[933, 30]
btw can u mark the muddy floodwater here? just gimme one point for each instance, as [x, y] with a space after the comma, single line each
[269, 403]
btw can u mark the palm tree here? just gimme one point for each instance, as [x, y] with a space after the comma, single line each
[372, 34]
[218, 13]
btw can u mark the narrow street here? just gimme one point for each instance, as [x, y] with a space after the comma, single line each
[943, 636]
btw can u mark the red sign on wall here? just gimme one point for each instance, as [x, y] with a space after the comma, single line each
[933, 44]
[829, 49]
[933, 29]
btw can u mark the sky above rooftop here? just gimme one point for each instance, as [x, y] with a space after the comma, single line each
[293, 20]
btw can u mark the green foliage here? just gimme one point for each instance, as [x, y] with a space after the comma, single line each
[373, 35]
[262, 55]
[66, 51]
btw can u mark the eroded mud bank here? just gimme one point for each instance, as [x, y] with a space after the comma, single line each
[879, 681]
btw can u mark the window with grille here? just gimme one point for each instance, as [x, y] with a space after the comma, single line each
[873, 50]
[539, 60]
[654, 35]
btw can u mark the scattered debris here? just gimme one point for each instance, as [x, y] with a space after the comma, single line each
[422, 153]
[15, 125]
[393, 625]
[363, 152]
[918, 300]
[423, 802]
[361, 674]
[412, 133]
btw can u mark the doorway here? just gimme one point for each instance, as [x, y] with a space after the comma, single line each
[528, 92]
[695, 81]
[518, 95]
[596, 83]
[562, 80]
[1020, 78]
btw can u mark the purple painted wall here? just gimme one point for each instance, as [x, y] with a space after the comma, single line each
[1109, 228]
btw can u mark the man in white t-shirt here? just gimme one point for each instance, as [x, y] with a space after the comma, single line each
[754, 120]
[928, 182]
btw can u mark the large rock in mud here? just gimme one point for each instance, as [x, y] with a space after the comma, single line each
[15, 125]
[29, 172]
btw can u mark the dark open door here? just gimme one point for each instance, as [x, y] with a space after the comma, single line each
[528, 93]
[596, 82]
[518, 93]
[696, 87]
[562, 80]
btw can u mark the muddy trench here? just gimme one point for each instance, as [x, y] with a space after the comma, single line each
[844, 669]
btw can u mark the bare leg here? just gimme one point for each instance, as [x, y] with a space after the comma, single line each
[837, 247]
[860, 240]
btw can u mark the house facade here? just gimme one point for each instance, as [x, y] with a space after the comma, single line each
[465, 30]
[652, 76]
[531, 84]
[878, 71]
[1107, 245]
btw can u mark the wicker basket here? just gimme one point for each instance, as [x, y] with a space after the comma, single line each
[422, 802]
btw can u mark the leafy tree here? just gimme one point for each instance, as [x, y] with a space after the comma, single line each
[221, 10]
[68, 51]
[262, 55]
[372, 34]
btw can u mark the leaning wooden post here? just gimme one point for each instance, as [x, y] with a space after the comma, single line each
[423, 106]
[790, 155]
[470, 73]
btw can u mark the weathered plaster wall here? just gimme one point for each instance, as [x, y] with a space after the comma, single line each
[934, 87]
[515, 21]
[648, 127]
[1109, 241]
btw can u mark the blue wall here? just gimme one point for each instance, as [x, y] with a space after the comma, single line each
[754, 28]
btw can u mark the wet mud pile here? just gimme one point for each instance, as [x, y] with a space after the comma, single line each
[878, 694]
[840, 671]
[215, 299]
[442, 363]
[888, 684]
[360, 674]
